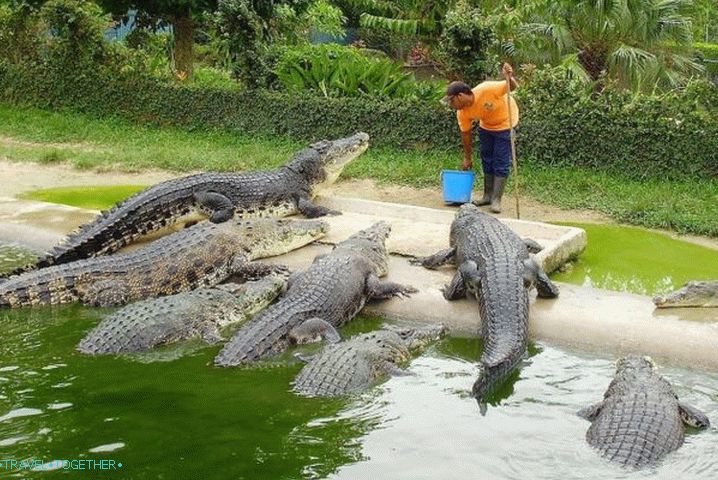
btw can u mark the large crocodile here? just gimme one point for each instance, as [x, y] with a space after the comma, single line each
[640, 418]
[199, 313]
[200, 256]
[279, 192]
[359, 362]
[493, 265]
[692, 294]
[330, 292]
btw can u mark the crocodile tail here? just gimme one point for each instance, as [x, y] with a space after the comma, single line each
[491, 377]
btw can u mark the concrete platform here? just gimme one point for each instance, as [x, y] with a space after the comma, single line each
[609, 323]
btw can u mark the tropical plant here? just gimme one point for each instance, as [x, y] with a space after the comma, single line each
[640, 44]
[465, 46]
[409, 17]
[336, 71]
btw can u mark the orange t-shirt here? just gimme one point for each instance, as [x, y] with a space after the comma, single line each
[489, 108]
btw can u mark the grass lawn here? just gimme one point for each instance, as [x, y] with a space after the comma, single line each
[683, 205]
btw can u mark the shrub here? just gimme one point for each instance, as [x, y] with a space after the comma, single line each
[21, 33]
[465, 43]
[708, 51]
[333, 70]
[77, 28]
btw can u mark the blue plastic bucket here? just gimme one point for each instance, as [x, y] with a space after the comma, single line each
[457, 185]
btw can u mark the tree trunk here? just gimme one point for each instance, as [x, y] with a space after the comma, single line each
[184, 46]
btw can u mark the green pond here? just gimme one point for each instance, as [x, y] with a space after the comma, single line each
[636, 260]
[185, 419]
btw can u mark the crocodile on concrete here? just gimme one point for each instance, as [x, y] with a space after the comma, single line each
[283, 191]
[330, 293]
[361, 361]
[494, 266]
[640, 419]
[697, 294]
[203, 313]
[200, 256]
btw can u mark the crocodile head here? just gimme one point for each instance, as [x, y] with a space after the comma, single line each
[324, 161]
[692, 294]
[372, 243]
[418, 337]
[634, 363]
[631, 371]
[275, 236]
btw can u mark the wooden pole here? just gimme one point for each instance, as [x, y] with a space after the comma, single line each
[513, 147]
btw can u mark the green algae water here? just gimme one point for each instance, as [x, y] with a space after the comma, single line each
[13, 255]
[92, 197]
[185, 419]
[636, 260]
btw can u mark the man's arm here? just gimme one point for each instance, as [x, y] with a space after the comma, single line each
[466, 140]
[508, 73]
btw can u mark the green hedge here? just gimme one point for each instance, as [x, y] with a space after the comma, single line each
[672, 135]
[709, 51]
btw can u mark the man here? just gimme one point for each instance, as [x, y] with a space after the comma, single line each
[487, 103]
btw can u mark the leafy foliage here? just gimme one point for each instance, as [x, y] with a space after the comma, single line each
[466, 42]
[623, 40]
[333, 71]
[20, 32]
[708, 55]
[77, 28]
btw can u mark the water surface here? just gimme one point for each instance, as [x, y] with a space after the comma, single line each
[187, 419]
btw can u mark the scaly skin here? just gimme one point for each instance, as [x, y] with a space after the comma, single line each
[279, 192]
[334, 288]
[199, 256]
[358, 363]
[199, 313]
[494, 266]
[694, 294]
[640, 419]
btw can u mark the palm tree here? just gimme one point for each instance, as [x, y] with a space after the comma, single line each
[640, 44]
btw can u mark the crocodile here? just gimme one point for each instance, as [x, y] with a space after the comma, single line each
[330, 292]
[359, 362]
[283, 191]
[640, 418]
[143, 325]
[494, 266]
[692, 294]
[200, 256]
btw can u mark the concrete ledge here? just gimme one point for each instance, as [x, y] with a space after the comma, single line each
[610, 323]
[421, 231]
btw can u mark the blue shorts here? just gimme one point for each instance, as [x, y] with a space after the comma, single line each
[495, 148]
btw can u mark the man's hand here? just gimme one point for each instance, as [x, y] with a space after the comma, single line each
[507, 71]
[467, 164]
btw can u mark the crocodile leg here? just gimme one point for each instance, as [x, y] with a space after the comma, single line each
[313, 330]
[105, 293]
[532, 245]
[466, 279]
[693, 417]
[436, 260]
[591, 412]
[535, 274]
[210, 333]
[219, 207]
[379, 290]
[309, 210]
[257, 270]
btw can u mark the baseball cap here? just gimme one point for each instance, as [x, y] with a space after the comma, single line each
[455, 88]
